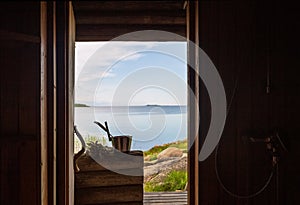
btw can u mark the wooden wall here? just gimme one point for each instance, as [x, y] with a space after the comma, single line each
[36, 102]
[244, 40]
[19, 103]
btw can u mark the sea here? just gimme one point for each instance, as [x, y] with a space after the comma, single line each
[149, 125]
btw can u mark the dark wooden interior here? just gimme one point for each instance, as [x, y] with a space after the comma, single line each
[252, 44]
[105, 20]
[246, 41]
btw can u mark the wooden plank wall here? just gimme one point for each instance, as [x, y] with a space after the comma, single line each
[244, 39]
[110, 182]
[105, 20]
[19, 103]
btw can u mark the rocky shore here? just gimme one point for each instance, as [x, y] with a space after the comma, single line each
[168, 160]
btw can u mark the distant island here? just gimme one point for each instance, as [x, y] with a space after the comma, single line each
[157, 105]
[80, 105]
[110, 106]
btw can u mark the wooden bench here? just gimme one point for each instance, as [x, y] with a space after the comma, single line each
[105, 183]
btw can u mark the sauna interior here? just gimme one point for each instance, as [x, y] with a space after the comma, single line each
[253, 44]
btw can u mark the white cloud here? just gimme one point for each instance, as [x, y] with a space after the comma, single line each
[96, 57]
[83, 52]
[93, 63]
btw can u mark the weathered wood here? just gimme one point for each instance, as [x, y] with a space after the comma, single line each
[106, 195]
[70, 94]
[156, 198]
[97, 184]
[86, 163]
[105, 178]
[43, 106]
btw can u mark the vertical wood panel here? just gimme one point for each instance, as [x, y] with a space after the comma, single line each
[9, 88]
[43, 106]
[28, 70]
[51, 111]
[70, 100]
[193, 90]
[284, 98]
[29, 181]
[9, 174]
[19, 171]
[259, 36]
[65, 80]
[208, 32]
[20, 80]
[62, 166]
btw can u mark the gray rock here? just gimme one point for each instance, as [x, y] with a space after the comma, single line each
[170, 152]
[160, 166]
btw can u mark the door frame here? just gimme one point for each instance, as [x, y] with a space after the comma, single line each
[63, 101]
[192, 22]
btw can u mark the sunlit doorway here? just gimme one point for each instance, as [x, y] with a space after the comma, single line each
[138, 89]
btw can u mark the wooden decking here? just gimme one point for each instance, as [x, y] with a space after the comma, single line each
[163, 198]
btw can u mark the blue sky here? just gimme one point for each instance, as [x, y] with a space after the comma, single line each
[130, 73]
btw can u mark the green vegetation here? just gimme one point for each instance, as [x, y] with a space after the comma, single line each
[175, 180]
[80, 105]
[180, 144]
[154, 151]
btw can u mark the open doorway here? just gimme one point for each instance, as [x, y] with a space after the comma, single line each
[139, 89]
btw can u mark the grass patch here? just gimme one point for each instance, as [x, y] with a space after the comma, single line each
[180, 145]
[156, 149]
[153, 157]
[175, 180]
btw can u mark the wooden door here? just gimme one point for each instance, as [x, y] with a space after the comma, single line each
[20, 131]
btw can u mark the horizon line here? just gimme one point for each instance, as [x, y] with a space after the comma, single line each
[129, 105]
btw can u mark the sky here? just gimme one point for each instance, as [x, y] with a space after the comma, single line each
[130, 73]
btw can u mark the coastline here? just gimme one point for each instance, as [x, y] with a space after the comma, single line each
[165, 162]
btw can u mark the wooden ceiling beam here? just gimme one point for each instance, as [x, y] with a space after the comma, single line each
[108, 32]
[116, 6]
[104, 13]
[105, 20]
[129, 20]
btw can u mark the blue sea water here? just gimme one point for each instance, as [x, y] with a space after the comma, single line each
[148, 125]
